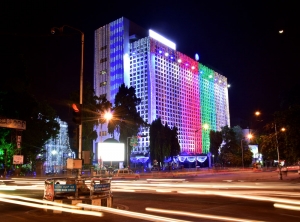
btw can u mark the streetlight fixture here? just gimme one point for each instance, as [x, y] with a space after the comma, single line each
[61, 29]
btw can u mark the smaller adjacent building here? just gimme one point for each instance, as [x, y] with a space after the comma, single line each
[57, 150]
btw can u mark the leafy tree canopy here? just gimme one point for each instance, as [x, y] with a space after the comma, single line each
[234, 150]
[283, 131]
[126, 119]
[92, 111]
[163, 141]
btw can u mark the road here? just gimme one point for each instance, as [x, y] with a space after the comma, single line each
[231, 196]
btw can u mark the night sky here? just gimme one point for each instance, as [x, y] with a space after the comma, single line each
[238, 39]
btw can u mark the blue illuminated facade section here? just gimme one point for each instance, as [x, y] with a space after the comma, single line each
[116, 29]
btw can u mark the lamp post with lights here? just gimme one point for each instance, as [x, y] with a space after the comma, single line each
[277, 148]
[257, 113]
[107, 116]
[249, 136]
[205, 127]
[61, 29]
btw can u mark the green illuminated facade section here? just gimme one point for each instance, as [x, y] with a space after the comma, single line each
[208, 104]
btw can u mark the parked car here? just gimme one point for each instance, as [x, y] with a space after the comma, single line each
[293, 167]
[125, 174]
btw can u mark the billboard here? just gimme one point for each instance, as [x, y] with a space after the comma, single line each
[111, 151]
[254, 150]
[18, 159]
[13, 123]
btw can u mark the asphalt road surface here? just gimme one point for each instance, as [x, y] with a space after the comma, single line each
[207, 197]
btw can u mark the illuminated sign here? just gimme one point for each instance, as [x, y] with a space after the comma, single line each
[111, 151]
[102, 187]
[162, 39]
[13, 123]
[64, 187]
[18, 159]
[254, 150]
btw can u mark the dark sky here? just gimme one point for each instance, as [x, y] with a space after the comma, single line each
[238, 39]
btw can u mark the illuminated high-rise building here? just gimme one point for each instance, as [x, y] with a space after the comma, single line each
[171, 85]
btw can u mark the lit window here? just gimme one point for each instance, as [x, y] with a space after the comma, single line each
[103, 83]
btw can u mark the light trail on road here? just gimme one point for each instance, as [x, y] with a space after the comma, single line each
[131, 214]
[282, 196]
[197, 215]
[66, 207]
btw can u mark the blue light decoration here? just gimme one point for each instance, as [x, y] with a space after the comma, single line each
[139, 159]
[168, 160]
[191, 159]
[116, 55]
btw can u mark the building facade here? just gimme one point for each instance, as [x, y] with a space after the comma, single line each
[171, 85]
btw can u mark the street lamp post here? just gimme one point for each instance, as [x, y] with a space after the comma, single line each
[242, 152]
[279, 167]
[242, 147]
[107, 116]
[61, 29]
[205, 127]
[127, 151]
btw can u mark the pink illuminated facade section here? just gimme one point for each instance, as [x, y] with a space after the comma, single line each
[167, 82]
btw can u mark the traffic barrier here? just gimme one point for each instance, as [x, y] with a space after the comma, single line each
[91, 190]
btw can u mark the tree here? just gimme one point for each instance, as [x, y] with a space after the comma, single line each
[268, 143]
[92, 109]
[18, 102]
[233, 146]
[6, 148]
[163, 141]
[246, 154]
[40, 122]
[288, 141]
[215, 143]
[126, 119]
[175, 147]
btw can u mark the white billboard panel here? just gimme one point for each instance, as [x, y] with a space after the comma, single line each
[254, 150]
[111, 151]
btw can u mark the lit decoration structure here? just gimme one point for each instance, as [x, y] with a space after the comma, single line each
[171, 85]
[57, 150]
